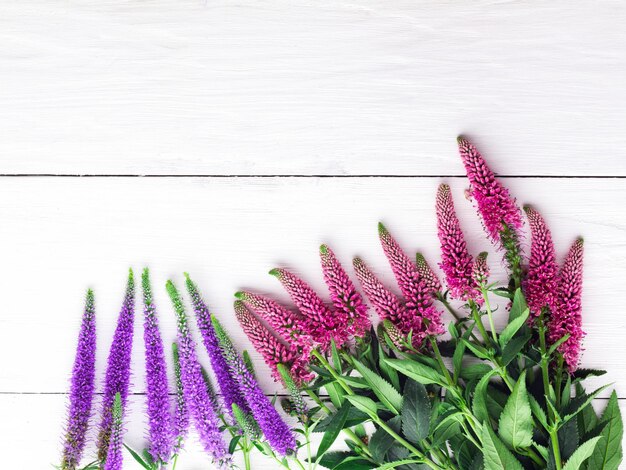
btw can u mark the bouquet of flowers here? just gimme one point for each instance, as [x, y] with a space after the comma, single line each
[408, 392]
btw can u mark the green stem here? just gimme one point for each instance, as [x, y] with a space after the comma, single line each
[559, 379]
[246, 457]
[442, 365]
[489, 314]
[175, 462]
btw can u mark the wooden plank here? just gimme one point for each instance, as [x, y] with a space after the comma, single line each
[275, 87]
[62, 235]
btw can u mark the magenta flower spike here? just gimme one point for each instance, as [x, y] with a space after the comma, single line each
[567, 318]
[228, 388]
[541, 283]
[416, 292]
[269, 346]
[276, 431]
[114, 459]
[195, 389]
[157, 392]
[350, 310]
[117, 379]
[427, 274]
[495, 204]
[320, 324]
[180, 424]
[480, 270]
[286, 323]
[82, 388]
[456, 262]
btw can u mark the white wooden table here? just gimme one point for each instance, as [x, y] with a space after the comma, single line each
[225, 138]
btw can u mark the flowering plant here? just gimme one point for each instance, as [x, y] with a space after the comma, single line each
[410, 392]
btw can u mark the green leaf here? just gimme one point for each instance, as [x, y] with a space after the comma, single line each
[354, 418]
[335, 355]
[354, 463]
[334, 428]
[417, 371]
[608, 453]
[475, 371]
[495, 453]
[478, 350]
[479, 403]
[538, 411]
[382, 441]
[336, 394]
[233, 444]
[513, 327]
[579, 403]
[390, 374]
[519, 305]
[138, 458]
[582, 453]
[366, 405]
[385, 392]
[332, 459]
[514, 346]
[397, 463]
[416, 411]
[516, 422]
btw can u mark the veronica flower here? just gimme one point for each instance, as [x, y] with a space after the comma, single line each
[181, 412]
[541, 281]
[426, 273]
[118, 368]
[289, 325]
[350, 310]
[567, 317]
[480, 270]
[416, 292]
[228, 388]
[456, 262]
[494, 202]
[194, 387]
[276, 431]
[82, 388]
[114, 459]
[320, 324]
[386, 304]
[273, 351]
[161, 438]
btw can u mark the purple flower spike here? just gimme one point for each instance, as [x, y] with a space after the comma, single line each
[350, 310]
[418, 295]
[567, 319]
[320, 323]
[82, 388]
[228, 388]
[161, 438]
[541, 283]
[480, 270]
[114, 459]
[118, 368]
[194, 387]
[181, 412]
[427, 274]
[494, 202]
[276, 431]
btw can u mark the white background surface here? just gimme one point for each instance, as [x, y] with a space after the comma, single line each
[348, 110]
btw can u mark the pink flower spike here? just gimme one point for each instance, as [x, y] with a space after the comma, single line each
[456, 262]
[273, 351]
[319, 322]
[286, 323]
[494, 202]
[350, 310]
[480, 270]
[541, 283]
[427, 274]
[567, 319]
[386, 304]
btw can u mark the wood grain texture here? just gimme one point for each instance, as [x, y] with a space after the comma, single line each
[277, 87]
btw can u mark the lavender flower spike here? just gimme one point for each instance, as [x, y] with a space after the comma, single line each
[118, 368]
[494, 202]
[114, 453]
[276, 431]
[228, 388]
[194, 387]
[181, 413]
[156, 380]
[567, 319]
[82, 388]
